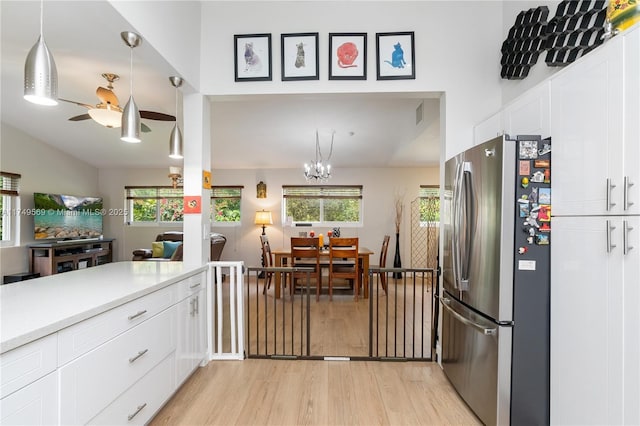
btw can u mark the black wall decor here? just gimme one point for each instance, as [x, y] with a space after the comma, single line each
[577, 28]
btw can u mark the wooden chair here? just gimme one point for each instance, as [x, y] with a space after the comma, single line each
[382, 277]
[267, 259]
[343, 262]
[305, 252]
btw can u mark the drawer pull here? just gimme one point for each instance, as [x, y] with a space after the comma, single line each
[134, 316]
[140, 407]
[195, 285]
[132, 360]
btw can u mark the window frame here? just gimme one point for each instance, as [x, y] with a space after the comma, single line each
[212, 204]
[429, 191]
[326, 192]
[10, 225]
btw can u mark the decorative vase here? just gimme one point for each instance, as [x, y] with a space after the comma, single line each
[397, 263]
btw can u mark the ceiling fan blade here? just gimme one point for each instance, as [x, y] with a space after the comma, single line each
[80, 117]
[152, 115]
[107, 96]
[144, 128]
[77, 103]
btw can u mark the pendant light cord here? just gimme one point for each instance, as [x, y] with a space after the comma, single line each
[42, 18]
[131, 71]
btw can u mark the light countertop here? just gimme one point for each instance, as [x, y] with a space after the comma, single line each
[38, 307]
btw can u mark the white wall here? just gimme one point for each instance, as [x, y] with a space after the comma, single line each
[43, 169]
[380, 188]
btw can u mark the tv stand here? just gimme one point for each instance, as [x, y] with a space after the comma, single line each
[62, 256]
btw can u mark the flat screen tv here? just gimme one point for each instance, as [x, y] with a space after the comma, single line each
[66, 217]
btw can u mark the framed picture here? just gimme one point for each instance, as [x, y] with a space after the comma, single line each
[252, 57]
[300, 56]
[347, 56]
[395, 56]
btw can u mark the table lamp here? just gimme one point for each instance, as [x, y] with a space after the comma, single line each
[263, 218]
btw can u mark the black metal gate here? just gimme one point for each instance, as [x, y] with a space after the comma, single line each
[393, 324]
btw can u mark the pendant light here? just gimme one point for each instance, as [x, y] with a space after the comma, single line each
[175, 140]
[40, 72]
[131, 114]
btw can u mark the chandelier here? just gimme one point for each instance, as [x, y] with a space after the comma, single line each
[319, 170]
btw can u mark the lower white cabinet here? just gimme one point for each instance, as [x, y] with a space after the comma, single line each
[595, 320]
[34, 404]
[191, 331]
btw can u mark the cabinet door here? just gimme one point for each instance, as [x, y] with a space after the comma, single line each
[586, 321]
[488, 129]
[192, 344]
[630, 184]
[529, 114]
[36, 404]
[586, 106]
[631, 323]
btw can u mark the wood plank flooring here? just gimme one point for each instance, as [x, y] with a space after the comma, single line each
[279, 392]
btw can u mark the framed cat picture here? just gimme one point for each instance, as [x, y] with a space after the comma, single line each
[300, 56]
[252, 57]
[347, 56]
[395, 56]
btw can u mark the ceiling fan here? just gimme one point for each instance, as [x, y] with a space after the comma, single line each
[108, 112]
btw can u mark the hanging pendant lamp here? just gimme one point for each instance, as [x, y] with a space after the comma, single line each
[40, 72]
[131, 113]
[175, 140]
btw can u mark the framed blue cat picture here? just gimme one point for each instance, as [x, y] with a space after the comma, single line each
[395, 56]
[252, 57]
[300, 57]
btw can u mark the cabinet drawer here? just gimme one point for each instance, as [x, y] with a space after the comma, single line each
[26, 364]
[93, 381]
[36, 404]
[191, 285]
[141, 401]
[86, 335]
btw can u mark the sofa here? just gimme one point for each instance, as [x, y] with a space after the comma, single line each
[172, 249]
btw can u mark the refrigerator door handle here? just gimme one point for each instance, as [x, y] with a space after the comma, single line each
[484, 330]
[469, 216]
[455, 252]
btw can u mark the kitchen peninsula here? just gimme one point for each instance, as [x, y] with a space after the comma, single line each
[128, 326]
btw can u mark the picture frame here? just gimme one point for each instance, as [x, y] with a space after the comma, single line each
[252, 59]
[347, 56]
[300, 56]
[395, 56]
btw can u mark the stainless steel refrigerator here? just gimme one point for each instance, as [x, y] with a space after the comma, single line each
[497, 235]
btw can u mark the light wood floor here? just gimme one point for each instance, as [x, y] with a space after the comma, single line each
[278, 392]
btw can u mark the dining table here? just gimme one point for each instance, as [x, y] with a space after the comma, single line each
[282, 256]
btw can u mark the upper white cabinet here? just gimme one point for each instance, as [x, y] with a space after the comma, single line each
[587, 108]
[529, 113]
[488, 129]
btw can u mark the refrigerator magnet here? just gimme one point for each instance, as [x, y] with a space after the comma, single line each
[523, 209]
[541, 164]
[528, 150]
[544, 195]
[538, 177]
[533, 195]
[546, 148]
[525, 168]
[542, 239]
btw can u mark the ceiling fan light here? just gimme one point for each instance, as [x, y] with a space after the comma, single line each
[40, 75]
[107, 117]
[175, 143]
[131, 123]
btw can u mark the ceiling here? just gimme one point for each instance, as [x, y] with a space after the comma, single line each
[257, 131]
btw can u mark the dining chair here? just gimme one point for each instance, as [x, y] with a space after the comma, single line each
[267, 262]
[305, 252]
[382, 277]
[343, 262]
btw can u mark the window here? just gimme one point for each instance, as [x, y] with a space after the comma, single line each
[225, 204]
[323, 204]
[159, 205]
[429, 204]
[9, 206]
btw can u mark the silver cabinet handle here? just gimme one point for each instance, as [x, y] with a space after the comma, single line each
[195, 285]
[486, 331]
[192, 310]
[136, 315]
[196, 305]
[625, 237]
[610, 229]
[627, 184]
[610, 186]
[140, 407]
[132, 360]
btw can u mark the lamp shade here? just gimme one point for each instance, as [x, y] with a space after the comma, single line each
[263, 218]
[40, 75]
[131, 122]
[108, 117]
[175, 142]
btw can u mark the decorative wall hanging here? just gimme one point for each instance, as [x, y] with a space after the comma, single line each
[577, 28]
[524, 43]
[347, 56]
[252, 57]
[395, 57]
[300, 57]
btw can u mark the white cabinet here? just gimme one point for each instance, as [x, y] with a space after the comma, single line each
[488, 129]
[587, 128]
[191, 329]
[529, 113]
[35, 404]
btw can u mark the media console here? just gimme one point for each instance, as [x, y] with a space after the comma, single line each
[62, 256]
